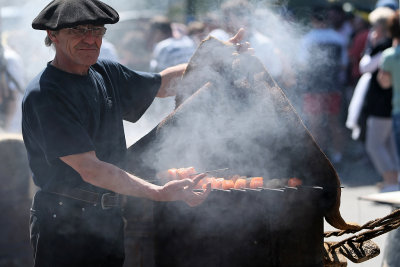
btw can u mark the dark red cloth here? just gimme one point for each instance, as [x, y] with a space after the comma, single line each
[322, 103]
[356, 51]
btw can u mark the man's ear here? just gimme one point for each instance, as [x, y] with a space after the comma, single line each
[52, 36]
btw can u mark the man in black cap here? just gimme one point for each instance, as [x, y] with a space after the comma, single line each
[73, 132]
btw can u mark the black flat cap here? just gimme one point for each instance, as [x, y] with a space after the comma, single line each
[59, 14]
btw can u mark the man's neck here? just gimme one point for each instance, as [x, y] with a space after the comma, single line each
[65, 67]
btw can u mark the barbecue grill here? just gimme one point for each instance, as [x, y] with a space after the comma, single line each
[212, 128]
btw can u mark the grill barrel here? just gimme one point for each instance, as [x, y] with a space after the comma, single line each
[265, 227]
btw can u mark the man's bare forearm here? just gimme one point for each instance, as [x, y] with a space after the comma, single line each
[168, 78]
[108, 176]
[119, 181]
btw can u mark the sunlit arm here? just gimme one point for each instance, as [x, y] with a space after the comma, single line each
[108, 176]
[169, 77]
[369, 64]
[384, 79]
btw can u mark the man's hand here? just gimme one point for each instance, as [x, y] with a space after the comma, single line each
[183, 190]
[236, 41]
[238, 36]
[169, 77]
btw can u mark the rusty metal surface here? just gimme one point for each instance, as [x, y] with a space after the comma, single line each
[333, 258]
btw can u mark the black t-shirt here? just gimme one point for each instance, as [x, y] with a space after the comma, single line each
[65, 114]
[378, 101]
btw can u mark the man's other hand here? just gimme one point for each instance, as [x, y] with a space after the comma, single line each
[237, 42]
[183, 190]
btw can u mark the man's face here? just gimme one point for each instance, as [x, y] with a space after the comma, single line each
[78, 48]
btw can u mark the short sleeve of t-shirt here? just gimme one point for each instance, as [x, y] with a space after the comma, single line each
[54, 121]
[136, 89]
[386, 63]
[61, 116]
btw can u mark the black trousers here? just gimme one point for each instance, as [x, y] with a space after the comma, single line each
[68, 232]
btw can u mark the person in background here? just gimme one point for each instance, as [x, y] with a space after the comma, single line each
[11, 82]
[108, 51]
[72, 125]
[389, 73]
[389, 76]
[197, 31]
[392, 4]
[167, 49]
[133, 51]
[340, 21]
[170, 46]
[380, 144]
[323, 58]
[356, 50]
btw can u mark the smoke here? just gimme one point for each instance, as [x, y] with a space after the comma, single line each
[280, 26]
[243, 132]
[273, 22]
[277, 25]
[233, 121]
[237, 118]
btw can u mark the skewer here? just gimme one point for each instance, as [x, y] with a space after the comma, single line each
[217, 170]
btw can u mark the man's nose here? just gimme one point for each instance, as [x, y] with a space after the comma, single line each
[89, 37]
